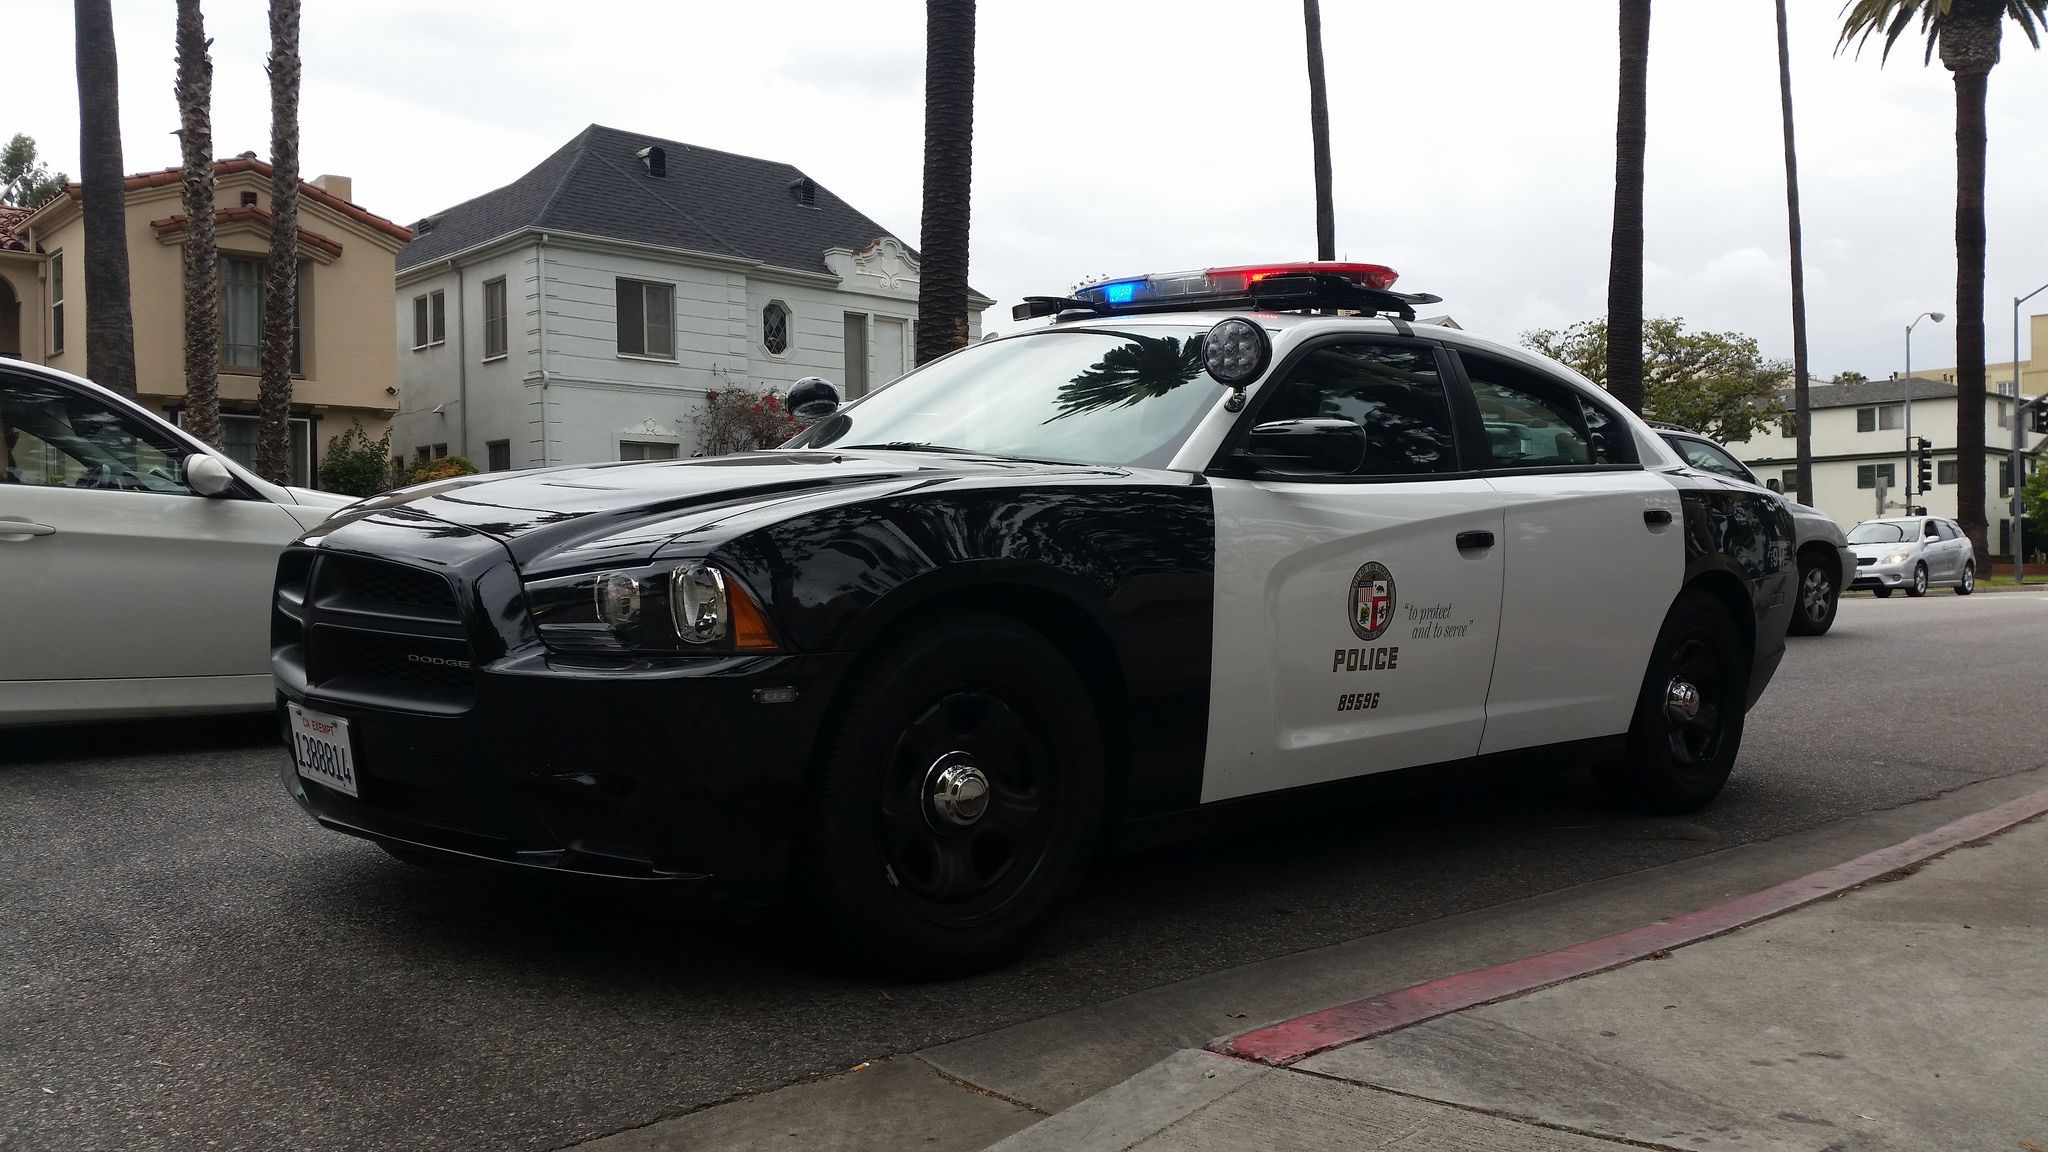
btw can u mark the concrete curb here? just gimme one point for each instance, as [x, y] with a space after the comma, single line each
[1290, 1041]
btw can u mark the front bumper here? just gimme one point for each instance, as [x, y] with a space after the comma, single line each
[1883, 575]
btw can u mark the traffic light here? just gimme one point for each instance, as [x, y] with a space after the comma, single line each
[2037, 415]
[1923, 463]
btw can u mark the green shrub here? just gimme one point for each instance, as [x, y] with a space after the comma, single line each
[441, 469]
[356, 465]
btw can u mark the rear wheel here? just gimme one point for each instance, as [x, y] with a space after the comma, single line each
[1919, 585]
[1688, 721]
[1819, 593]
[1969, 581]
[958, 801]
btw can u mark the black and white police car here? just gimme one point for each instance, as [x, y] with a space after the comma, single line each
[1199, 538]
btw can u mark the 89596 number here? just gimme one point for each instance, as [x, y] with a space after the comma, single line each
[1358, 701]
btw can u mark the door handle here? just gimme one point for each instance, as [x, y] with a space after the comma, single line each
[1472, 541]
[23, 529]
[1657, 517]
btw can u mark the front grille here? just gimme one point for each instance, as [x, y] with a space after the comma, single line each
[382, 659]
[375, 632]
[1862, 561]
[366, 585]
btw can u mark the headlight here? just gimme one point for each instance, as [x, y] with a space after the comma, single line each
[1900, 556]
[677, 608]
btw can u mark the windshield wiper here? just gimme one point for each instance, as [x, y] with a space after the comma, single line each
[916, 446]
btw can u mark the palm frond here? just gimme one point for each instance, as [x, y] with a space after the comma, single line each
[2031, 16]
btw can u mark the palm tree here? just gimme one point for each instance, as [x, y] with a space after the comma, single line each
[1966, 33]
[1801, 418]
[948, 176]
[1147, 367]
[202, 282]
[109, 325]
[281, 278]
[1319, 129]
[1625, 254]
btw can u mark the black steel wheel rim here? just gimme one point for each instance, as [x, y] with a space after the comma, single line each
[957, 872]
[1816, 593]
[1696, 739]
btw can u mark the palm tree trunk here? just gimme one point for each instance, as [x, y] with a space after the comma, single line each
[1625, 254]
[281, 278]
[202, 275]
[1970, 92]
[948, 177]
[109, 324]
[1319, 130]
[1801, 401]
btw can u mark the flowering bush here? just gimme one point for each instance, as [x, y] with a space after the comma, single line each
[742, 420]
[441, 469]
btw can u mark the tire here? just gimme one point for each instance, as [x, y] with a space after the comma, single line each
[1672, 765]
[1882, 593]
[1820, 593]
[910, 885]
[1918, 587]
[1968, 584]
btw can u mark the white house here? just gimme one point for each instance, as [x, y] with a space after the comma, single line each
[581, 312]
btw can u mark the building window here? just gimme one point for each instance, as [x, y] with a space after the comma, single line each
[238, 435]
[1884, 418]
[1872, 475]
[1944, 472]
[440, 451]
[56, 303]
[241, 313]
[498, 453]
[1788, 427]
[2004, 414]
[1788, 480]
[2004, 477]
[645, 450]
[429, 320]
[494, 318]
[775, 327]
[647, 319]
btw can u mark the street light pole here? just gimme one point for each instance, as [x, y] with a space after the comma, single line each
[2019, 448]
[1937, 317]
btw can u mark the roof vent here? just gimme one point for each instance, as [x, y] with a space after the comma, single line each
[245, 155]
[655, 159]
[425, 225]
[248, 199]
[805, 190]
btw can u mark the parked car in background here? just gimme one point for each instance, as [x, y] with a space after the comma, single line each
[135, 562]
[1824, 556]
[1915, 553]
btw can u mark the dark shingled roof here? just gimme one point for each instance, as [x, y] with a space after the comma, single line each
[1863, 392]
[710, 201]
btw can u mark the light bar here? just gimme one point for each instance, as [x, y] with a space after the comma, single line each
[1225, 283]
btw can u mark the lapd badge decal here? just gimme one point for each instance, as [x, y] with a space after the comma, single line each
[1371, 602]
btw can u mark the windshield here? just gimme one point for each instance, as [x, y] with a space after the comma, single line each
[1877, 532]
[1088, 396]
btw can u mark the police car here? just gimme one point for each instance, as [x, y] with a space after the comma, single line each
[1197, 539]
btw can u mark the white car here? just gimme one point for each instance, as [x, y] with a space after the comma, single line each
[135, 562]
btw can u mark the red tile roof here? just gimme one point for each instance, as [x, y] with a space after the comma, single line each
[10, 229]
[171, 176]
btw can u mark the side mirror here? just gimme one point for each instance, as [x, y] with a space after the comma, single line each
[1317, 446]
[206, 475]
[813, 398]
[1774, 486]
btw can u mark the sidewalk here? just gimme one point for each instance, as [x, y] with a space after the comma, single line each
[1907, 1013]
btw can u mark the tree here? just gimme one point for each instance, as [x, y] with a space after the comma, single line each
[202, 274]
[1716, 383]
[281, 277]
[109, 325]
[26, 182]
[1625, 251]
[1851, 377]
[354, 464]
[1319, 131]
[1144, 368]
[948, 177]
[1967, 34]
[1802, 412]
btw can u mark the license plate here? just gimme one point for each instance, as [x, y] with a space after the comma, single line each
[320, 748]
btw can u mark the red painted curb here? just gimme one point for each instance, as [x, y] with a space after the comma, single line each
[1304, 1036]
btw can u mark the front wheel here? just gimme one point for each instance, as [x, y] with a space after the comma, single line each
[1969, 582]
[958, 801]
[1819, 593]
[1919, 586]
[1688, 720]
[1882, 593]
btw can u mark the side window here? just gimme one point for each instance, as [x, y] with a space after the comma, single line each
[1532, 421]
[1708, 458]
[1393, 391]
[53, 436]
[1947, 530]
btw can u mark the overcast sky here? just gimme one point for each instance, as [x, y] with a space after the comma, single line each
[1473, 139]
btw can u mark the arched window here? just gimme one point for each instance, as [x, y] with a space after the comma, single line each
[775, 327]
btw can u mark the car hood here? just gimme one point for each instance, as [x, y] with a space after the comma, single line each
[602, 513]
[314, 498]
[1879, 551]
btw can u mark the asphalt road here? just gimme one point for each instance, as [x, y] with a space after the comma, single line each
[186, 962]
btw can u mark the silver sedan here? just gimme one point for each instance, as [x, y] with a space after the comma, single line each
[1912, 552]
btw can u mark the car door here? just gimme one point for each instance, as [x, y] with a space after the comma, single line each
[1355, 613]
[114, 568]
[1593, 555]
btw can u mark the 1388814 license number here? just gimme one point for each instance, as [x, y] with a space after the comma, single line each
[1358, 701]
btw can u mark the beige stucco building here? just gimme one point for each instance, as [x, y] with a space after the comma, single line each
[343, 367]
